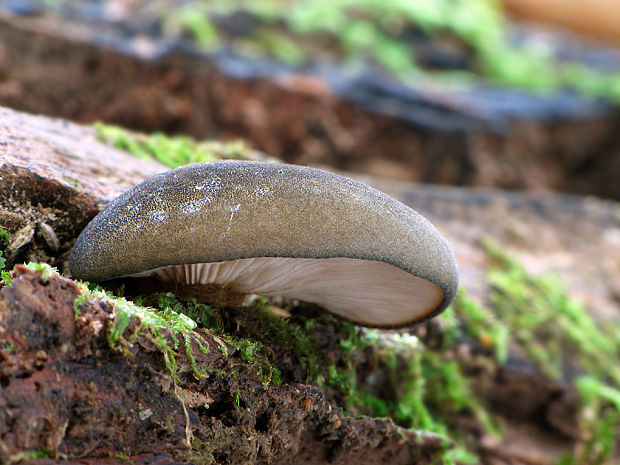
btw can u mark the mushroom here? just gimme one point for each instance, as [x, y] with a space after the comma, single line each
[239, 228]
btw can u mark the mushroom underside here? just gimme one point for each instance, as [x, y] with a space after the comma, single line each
[368, 292]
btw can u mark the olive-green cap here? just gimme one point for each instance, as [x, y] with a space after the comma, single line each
[368, 257]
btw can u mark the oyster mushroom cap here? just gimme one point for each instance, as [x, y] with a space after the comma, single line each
[275, 229]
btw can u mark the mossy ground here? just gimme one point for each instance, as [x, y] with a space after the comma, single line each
[533, 315]
[5, 238]
[419, 386]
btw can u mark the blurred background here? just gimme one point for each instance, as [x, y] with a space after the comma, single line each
[515, 94]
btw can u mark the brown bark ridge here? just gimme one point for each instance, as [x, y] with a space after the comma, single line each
[66, 393]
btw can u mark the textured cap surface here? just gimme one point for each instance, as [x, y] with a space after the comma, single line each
[228, 210]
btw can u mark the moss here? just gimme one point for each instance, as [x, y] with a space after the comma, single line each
[7, 345]
[267, 331]
[549, 324]
[558, 335]
[168, 330]
[481, 323]
[295, 338]
[5, 278]
[192, 20]
[44, 269]
[123, 457]
[251, 352]
[355, 33]
[170, 325]
[254, 353]
[390, 35]
[172, 151]
[423, 388]
[5, 239]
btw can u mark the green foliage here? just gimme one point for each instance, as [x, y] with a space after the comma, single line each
[172, 151]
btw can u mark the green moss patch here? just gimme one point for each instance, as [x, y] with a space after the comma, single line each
[419, 389]
[535, 315]
[5, 238]
[169, 331]
[172, 151]
[391, 35]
